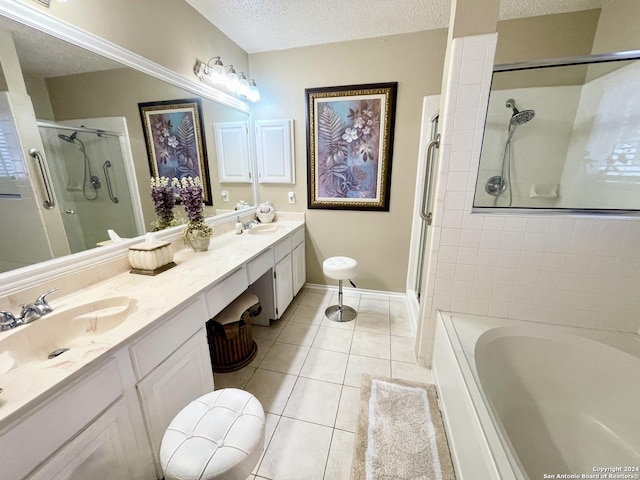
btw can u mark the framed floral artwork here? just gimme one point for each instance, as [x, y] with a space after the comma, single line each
[175, 144]
[349, 146]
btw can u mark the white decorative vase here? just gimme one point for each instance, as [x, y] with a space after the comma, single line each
[199, 243]
[266, 217]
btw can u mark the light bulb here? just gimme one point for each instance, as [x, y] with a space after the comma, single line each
[243, 85]
[254, 93]
[233, 82]
[217, 72]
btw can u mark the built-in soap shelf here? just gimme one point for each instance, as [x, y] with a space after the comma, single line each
[544, 190]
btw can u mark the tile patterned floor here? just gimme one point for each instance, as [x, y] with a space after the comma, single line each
[307, 376]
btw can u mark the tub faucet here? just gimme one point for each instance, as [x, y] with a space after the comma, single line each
[29, 313]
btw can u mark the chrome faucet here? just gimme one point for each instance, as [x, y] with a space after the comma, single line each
[41, 302]
[29, 312]
[7, 320]
[250, 224]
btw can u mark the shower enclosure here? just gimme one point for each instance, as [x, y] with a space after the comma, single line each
[91, 182]
[576, 147]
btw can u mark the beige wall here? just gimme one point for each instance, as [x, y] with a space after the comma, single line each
[169, 32]
[378, 240]
[37, 90]
[618, 27]
[473, 17]
[117, 93]
[546, 36]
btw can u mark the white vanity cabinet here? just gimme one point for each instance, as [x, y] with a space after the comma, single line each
[173, 367]
[108, 420]
[283, 284]
[97, 421]
[226, 291]
[289, 270]
[105, 449]
[181, 378]
[277, 275]
[298, 260]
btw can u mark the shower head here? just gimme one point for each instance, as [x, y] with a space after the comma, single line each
[519, 117]
[522, 117]
[68, 138]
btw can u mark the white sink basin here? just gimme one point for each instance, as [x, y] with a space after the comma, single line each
[264, 229]
[64, 329]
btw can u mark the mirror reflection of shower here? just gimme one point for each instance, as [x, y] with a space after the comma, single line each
[93, 180]
[89, 179]
[498, 184]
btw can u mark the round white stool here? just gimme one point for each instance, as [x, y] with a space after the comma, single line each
[217, 436]
[340, 268]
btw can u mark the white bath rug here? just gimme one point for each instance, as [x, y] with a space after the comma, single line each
[400, 434]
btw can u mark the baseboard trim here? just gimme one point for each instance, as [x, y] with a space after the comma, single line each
[360, 291]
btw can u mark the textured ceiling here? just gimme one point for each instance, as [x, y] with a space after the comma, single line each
[45, 56]
[264, 25]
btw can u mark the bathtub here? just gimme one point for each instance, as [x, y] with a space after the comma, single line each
[529, 401]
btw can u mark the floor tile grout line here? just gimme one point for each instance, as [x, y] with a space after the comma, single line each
[322, 380]
[308, 421]
[264, 453]
[326, 461]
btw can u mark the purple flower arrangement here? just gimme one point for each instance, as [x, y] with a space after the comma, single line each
[192, 198]
[164, 200]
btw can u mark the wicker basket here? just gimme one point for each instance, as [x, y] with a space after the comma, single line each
[231, 346]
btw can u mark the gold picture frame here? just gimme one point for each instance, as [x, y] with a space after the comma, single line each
[350, 133]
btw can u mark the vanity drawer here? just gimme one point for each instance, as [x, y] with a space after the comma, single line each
[36, 436]
[226, 291]
[282, 249]
[259, 265]
[150, 351]
[297, 237]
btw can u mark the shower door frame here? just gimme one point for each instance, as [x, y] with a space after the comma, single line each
[418, 255]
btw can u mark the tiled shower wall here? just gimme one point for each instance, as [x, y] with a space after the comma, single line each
[568, 270]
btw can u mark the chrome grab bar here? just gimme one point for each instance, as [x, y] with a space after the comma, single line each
[49, 202]
[426, 195]
[105, 166]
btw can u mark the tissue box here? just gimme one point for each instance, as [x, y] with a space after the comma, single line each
[151, 259]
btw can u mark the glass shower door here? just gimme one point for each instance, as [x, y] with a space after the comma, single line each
[90, 184]
[425, 207]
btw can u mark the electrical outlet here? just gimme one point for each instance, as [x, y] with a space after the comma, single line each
[292, 197]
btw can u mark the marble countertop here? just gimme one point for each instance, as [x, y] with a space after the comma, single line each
[155, 298]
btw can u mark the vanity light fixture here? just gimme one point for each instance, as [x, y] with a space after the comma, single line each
[223, 76]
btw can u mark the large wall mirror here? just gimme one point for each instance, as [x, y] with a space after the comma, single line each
[79, 112]
[563, 135]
